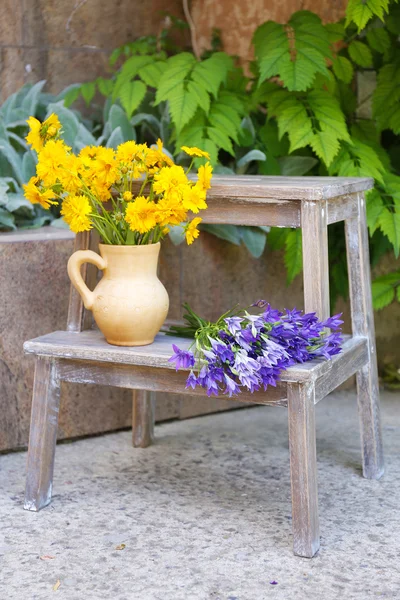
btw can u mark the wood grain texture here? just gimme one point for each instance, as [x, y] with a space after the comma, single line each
[270, 188]
[314, 223]
[153, 379]
[43, 435]
[252, 211]
[362, 317]
[91, 346]
[341, 367]
[303, 469]
[342, 208]
[143, 414]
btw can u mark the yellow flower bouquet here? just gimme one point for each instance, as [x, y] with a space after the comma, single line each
[132, 196]
[95, 187]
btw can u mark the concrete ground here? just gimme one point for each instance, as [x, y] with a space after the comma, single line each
[204, 514]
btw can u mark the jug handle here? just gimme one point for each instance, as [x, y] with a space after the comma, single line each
[74, 272]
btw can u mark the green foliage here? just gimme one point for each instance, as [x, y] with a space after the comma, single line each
[294, 52]
[361, 12]
[296, 114]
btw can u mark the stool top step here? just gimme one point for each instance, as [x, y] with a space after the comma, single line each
[90, 345]
[282, 188]
[286, 188]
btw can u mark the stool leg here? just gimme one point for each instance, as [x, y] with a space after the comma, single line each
[314, 226]
[362, 318]
[43, 435]
[303, 469]
[143, 413]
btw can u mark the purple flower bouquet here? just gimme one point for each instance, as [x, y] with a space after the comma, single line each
[243, 350]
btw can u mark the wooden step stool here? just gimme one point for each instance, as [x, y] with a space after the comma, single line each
[81, 354]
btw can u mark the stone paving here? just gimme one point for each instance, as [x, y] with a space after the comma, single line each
[204, 514]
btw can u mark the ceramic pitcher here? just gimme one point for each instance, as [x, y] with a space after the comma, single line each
[129, 303]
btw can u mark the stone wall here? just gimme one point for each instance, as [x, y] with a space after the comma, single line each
[69, 41]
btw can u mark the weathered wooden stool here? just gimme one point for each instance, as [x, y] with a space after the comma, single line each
[81, 354]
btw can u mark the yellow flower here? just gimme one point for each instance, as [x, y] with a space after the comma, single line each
[170, 179]
[141, 215]
[40, 133]
[51, 126]
[100, 190]
[195, 152]
[170, 211]
[33, 138]
[127, 196]
[104, 166]
[205, 173]
[76, 211]
[51, 161]
[158, 158]
[69, 174]
[88, 154]
[34, 195]
[194, 198]
[191, 231]
[130, 151]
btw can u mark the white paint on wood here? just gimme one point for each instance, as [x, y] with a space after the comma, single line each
[303, 469]
[362, 317]
[43, 435]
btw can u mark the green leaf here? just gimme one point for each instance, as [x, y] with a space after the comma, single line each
[105, 86]
[131, 95]
[325, 145]
[130, 69]
[31, 100]
[212, 72]
[83, 138]
[177, 69]
[7, 220]
[389, 222]
[13, 158]
[254, 240]
[295, 53]
[230, 233]
[210, 147]
[17, 201]
[379, 39]
[28, 166]
[362, 11]
[200, 95]
[220, 138]
[327, 110]
[382, 295]
[277, 238]
[250, 156]
[360, 53]
[336, 31]
[374, 209]
[293, 254]
[151, 73]
[385, 104]
[182, 105]
[88, 91]
[343, 68]
[117, 118]
[115, 139]
[296, 165]
[68, 120]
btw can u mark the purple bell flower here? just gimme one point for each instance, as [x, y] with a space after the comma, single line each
[183, 358]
